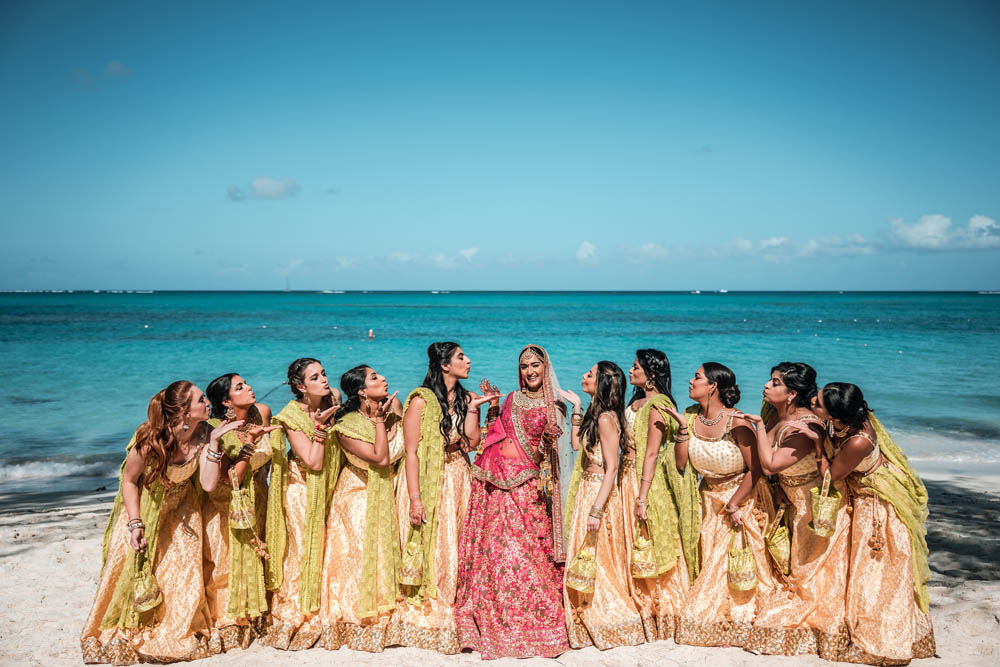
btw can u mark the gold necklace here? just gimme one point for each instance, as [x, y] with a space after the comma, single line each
[533, 394]
[711, 422]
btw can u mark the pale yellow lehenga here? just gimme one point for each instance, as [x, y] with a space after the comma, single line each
[234, 572]
[298, 501]
[887, 607]
[425, 618]
[179, 627]
[608, 617]
[658, 598]
[805, 614]
[713, 613]
[361, 555]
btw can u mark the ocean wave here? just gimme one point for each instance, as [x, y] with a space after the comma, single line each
[50, 469]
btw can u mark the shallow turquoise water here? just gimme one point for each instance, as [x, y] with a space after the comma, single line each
[77, 369]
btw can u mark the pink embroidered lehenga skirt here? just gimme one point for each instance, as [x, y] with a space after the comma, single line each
[509, 598]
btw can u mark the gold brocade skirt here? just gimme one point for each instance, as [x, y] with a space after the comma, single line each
[659, 600]
[179, 628]
[883, 620]
[340, 580]
[713, 613]
[290, 629]
[227, 632]
[430, 623]
[806, 613]
[607, 617]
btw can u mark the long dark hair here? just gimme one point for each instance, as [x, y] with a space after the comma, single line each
[800, 378]
[297, 376]
[609, 397]
[437, 354]
[845, 402]
[351, 382]
[217, 391]
[724, 381]
[656, 366]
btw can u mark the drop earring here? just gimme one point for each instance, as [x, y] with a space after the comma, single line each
[230, 413]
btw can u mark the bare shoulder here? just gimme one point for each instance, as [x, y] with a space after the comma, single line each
[607, 418]
[265, 412]
[740, 422]
[857, 443]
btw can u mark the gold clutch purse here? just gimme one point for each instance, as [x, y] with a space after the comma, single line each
[643, 565]
[582, 572]
[742, 567]
[240, 516]
[411, 564]
[146, 593]
[779, 542]
[824, 504]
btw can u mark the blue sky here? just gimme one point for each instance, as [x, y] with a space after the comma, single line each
[583, 145]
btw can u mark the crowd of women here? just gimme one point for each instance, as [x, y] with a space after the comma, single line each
[351, 518]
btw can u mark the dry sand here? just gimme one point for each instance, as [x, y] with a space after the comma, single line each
[51, 551]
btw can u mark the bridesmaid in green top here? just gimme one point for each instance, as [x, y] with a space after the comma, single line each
[234, 569]
[298, 500]
[659, 583]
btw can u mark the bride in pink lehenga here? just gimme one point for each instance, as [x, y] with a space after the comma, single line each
[511, 551]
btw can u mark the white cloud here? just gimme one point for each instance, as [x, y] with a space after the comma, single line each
[442, 261]
[931, 231]
[652, 252]
[398, 256]
[265, 187]
[468, 253]
[935, 232]
[586, 253]
[839, 246]
[116, 70]
[771, 249]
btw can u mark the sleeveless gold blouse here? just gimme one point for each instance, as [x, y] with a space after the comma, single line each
[716, 457]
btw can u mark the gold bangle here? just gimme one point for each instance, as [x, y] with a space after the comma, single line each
[597, 512]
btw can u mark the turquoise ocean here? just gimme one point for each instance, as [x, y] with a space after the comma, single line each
[77, 369]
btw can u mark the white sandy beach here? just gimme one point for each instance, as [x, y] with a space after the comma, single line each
[50, 556]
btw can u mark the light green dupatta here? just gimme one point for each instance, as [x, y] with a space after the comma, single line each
[121, 612]
[380, 548]
[319, 489]
[574, 486]
[899, 485]
[661, 510]
[246, 594]
[430, 451]
[684, 491]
